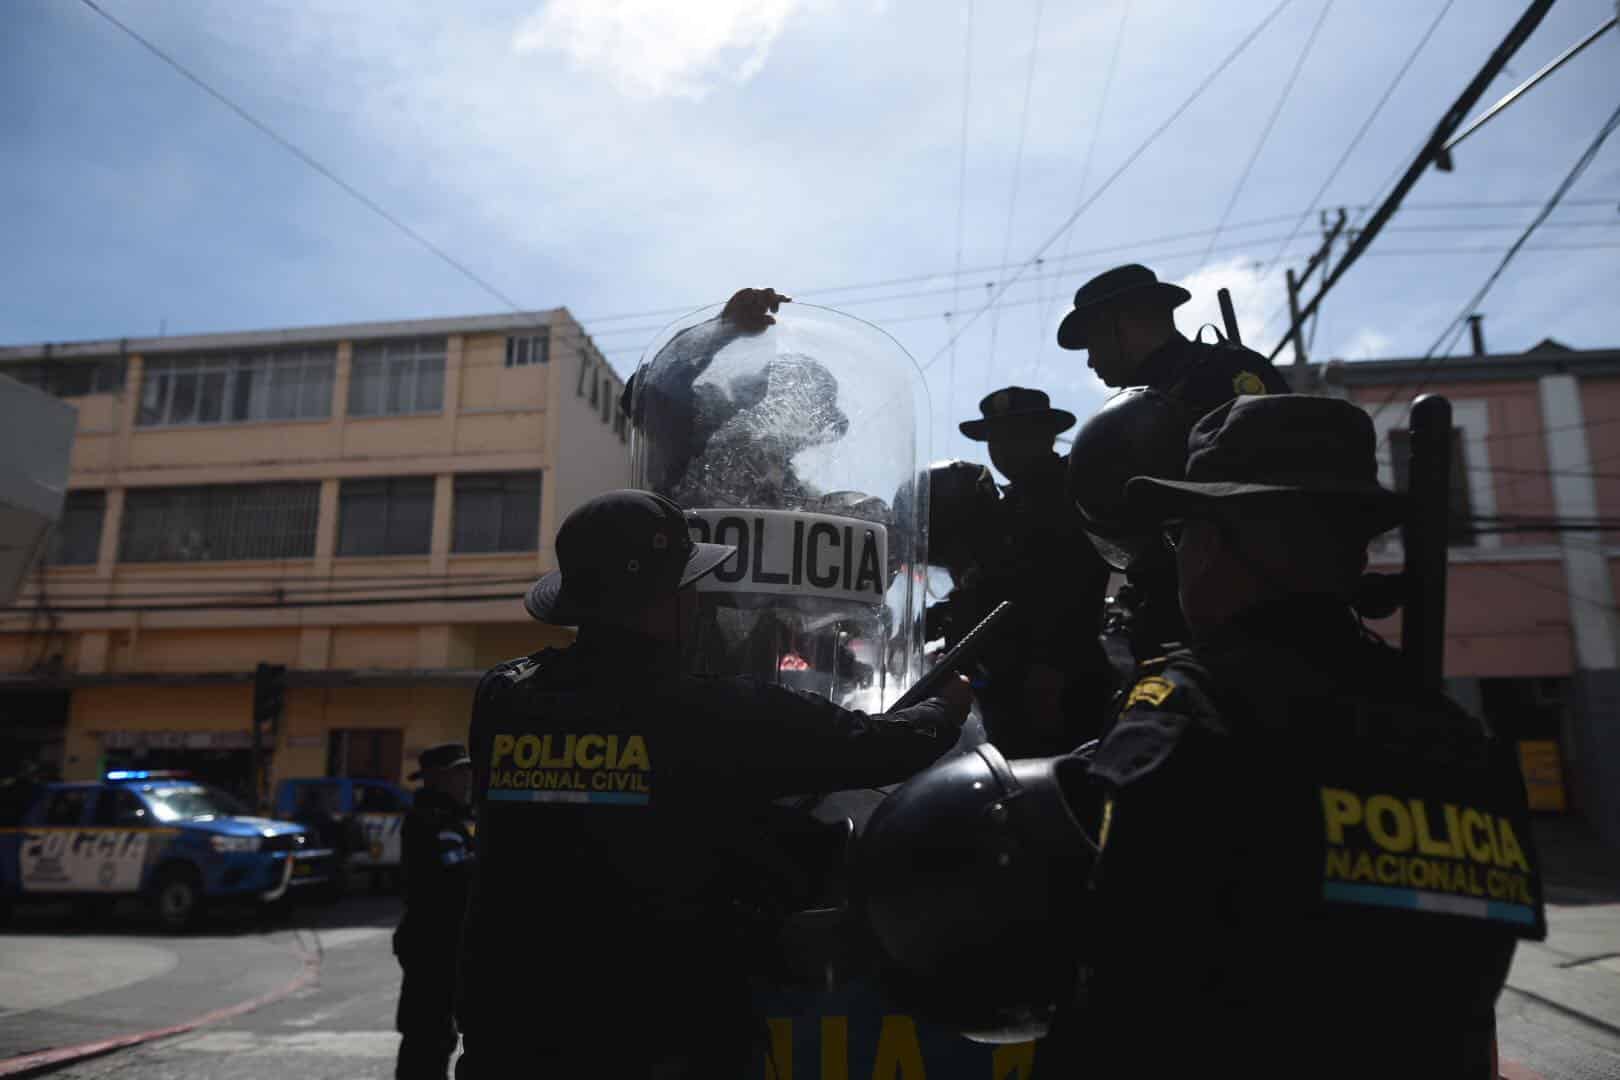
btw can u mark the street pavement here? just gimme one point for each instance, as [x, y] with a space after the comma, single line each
[1559, 1018]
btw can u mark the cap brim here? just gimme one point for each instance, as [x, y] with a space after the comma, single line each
[705, 559]
[548, 600]
[1072, 330]
[1166, 500]
[1057, 420]
[544, 603]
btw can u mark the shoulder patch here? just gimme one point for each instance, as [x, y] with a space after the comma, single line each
[1247, 382]
[1155, 690]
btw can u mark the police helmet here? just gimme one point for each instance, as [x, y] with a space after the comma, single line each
[1137, 432]
[960, 495]
[971, 877]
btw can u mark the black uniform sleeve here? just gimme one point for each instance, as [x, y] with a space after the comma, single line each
[783, 742]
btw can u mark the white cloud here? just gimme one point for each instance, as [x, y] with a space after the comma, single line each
[1368, 345]
[658, 48]
[1258, 300]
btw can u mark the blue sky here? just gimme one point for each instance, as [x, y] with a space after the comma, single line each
[640, 156]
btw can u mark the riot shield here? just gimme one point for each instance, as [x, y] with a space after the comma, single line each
[804, 444]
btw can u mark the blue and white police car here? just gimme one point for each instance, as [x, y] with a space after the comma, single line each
[177, 842]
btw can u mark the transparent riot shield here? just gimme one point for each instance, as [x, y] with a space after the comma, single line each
[804, 445]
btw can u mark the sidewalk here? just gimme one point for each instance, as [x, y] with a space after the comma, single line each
[1559, 1018]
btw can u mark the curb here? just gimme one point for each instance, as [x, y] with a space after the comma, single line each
[42, 1060]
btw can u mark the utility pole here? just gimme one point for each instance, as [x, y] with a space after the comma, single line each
[1449, 123]
[1296, 325]
[269, 702]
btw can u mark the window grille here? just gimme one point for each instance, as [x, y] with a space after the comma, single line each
[70, 378]
[391, 378]
[385, 516]
[285, 384]
[220, 522]
[496, 512]
[76, 539]
[532, 349]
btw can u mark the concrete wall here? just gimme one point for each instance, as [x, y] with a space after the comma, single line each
[599, 459]
[494, 419]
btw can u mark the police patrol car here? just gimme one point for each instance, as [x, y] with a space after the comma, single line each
[365, 817]
[160, 835]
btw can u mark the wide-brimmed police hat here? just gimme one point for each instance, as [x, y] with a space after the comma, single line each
[1279, 444]
[616, 554]
[1133, 281]
[1015, 408]
[443, 756]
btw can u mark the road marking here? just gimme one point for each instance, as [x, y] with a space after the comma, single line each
[381, 1045]
[351, 935]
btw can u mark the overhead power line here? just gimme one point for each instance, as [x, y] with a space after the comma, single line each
[1361, 133]
[1091, 145]
[1271, 122]
[1130, 159]
[308, 159]
[961, 184]
[1018, 161]
[1453, 331]
[1449, 122]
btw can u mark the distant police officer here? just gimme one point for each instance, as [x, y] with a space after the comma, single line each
[614, 797]
[1054, 678]
[1124, 319]
[437, 850]
[1309, 865]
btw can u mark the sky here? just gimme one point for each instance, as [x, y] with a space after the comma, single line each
[631, 159]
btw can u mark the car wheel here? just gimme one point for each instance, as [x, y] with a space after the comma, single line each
[177, 898]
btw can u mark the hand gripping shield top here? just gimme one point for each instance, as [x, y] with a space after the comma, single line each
[802, 443]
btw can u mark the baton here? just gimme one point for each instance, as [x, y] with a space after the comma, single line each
[1229, 316]
[966, 652]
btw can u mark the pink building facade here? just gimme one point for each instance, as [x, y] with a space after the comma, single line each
[1532, 624]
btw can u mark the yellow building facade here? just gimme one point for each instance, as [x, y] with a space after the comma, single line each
[364, 504]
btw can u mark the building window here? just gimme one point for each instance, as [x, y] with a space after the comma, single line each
[533, 349]
[286, 384]
[497, 512]
[388, 516]
[391, 378]
[1460, 528]
[608, 397]
[224, 521]
[77, 536]
[584, 373]
[71, 378]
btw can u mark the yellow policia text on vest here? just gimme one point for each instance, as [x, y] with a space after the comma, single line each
[1461, 850]
[589, 762]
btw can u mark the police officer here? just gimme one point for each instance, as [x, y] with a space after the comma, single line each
[614, 795]
[1053, 678]
[1125, 320]
[1282, 851]
[437, 850]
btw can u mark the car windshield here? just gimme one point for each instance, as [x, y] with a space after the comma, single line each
[190, 802]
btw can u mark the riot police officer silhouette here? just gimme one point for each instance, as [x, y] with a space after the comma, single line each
[1297, 859]
[1124, 319]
